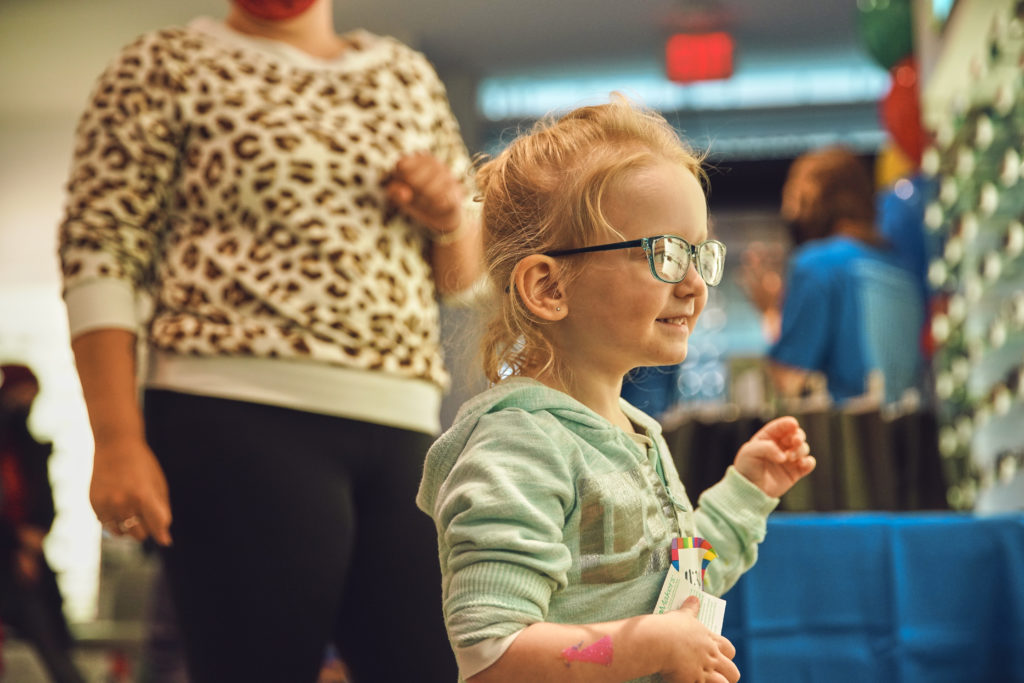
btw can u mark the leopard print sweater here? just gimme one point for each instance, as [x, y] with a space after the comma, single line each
[243, 190]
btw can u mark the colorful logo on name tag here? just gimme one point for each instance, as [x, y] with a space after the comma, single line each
[703, 546]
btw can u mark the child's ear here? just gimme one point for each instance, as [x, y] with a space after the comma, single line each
[537, 281]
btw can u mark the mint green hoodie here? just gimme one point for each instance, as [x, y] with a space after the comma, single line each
[546, 511]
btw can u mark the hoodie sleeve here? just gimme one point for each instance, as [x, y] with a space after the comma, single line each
[500, 514]
[733, 515]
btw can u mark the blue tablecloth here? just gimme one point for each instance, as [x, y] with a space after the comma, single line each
[882, 598]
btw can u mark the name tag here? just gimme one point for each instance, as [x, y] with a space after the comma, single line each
[690, 557]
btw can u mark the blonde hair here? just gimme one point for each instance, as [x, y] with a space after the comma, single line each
[545, 192]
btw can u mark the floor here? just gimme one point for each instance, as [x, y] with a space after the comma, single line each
[20, 665]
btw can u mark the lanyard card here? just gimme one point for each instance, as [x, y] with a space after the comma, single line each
[690, 558]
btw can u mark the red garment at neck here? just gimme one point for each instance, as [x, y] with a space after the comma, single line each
[275, 10]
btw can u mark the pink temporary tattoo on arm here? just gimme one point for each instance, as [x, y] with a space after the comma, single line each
[598, 653]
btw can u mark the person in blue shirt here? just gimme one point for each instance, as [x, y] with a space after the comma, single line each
[850, 305]
[900, 220]
[652, 389]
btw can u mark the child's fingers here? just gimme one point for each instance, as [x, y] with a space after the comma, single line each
[778, 454]
[692, 605]
[798, 451]
[792, 440]
[763, 449]
[779, 429]
[726, 646]
[797, 454]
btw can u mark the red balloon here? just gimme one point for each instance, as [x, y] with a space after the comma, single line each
[900, 111]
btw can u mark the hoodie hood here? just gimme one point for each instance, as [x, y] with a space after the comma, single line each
[528, 395]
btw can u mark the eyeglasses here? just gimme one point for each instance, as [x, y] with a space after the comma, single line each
[669, 256]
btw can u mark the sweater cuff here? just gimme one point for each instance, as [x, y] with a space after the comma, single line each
[494, 600]
[101, 304]
[745, 493]
[742, 498]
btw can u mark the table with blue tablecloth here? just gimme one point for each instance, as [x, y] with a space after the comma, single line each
[882, 598]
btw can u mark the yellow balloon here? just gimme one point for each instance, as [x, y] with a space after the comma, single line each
[890, 165]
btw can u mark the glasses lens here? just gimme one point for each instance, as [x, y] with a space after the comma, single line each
[711, 261]
[671, 258]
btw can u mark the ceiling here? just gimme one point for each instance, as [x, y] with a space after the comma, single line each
[469, 40]
[486, 37]
[52, 51]
[61, 42]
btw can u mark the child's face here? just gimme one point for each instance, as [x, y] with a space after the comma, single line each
[619, 316]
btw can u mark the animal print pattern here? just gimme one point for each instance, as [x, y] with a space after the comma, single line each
[244, 191]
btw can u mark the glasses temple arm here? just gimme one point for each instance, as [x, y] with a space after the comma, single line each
[599, 247]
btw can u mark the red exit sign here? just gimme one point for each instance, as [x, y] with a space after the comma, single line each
[698, 57]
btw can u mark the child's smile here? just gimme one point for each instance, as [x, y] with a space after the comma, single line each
[678, 322]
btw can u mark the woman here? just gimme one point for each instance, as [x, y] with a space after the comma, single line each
[292, 201]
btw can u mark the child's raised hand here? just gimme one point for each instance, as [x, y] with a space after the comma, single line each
[776, 457]
[697, 654]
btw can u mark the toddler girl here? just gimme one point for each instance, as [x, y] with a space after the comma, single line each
[555, 501]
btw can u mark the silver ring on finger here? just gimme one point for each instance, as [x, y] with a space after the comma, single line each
[128, 523]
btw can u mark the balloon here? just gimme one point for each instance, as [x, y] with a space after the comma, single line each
[900, 111]
[890, 165]
[886, 27]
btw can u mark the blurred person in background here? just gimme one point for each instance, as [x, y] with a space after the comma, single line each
[30, 600]
[848, 306]
[653, 390]
[293, 201]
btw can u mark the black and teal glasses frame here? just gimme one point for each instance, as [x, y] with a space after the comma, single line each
[692, 251]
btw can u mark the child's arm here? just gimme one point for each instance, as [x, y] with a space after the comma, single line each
[776, 457]
[733, 512]
[673, 644]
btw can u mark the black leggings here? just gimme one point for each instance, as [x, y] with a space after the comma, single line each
[292, 529]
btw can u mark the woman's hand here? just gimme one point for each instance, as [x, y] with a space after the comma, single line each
[698, 655]
[129, 491]
[776, 457]
[425, 189]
